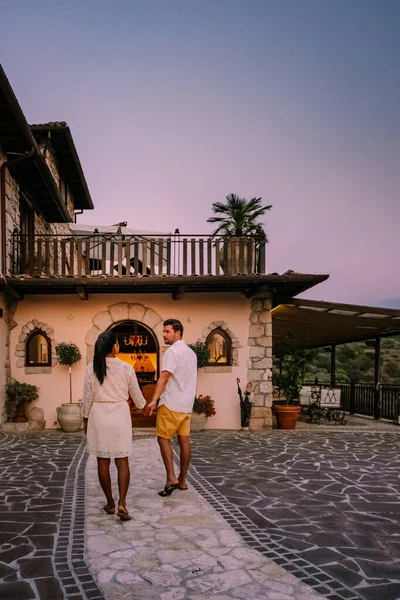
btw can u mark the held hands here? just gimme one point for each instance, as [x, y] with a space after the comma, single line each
[148, 409]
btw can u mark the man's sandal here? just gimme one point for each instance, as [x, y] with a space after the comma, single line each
[109, 509]
[123, 514]
[167, 491]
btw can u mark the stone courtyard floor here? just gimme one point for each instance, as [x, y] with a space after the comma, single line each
[295, 515]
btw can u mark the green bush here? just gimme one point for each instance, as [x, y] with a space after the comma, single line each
[17, 394]
[68, 354]
[202, 352]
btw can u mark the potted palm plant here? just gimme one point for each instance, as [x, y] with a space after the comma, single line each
[18, 395]
[242, 233]
[69, 415]
[288, 375]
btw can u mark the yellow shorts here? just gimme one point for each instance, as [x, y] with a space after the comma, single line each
[170, 423]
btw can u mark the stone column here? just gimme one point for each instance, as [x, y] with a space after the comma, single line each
[9, 312]
[260, 362]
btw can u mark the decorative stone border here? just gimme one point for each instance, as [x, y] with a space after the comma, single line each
[235, 344]
[20, 349]
[123, 311]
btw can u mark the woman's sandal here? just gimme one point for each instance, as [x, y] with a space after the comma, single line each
[109, 509]
[123, 514]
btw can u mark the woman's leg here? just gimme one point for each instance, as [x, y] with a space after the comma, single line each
[103, 470]
[124, 476]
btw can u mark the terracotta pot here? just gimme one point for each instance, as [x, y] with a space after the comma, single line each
[20, 416]
[197, 422]
[286, 416]
[69, 417]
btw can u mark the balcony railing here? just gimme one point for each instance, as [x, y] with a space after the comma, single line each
[122, 255]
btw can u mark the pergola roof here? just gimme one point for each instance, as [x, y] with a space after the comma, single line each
[316, 323]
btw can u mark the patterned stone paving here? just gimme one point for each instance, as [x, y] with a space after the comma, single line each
[42, 493]
[324, 505]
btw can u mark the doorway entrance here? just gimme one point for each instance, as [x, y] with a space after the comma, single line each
[138, 346]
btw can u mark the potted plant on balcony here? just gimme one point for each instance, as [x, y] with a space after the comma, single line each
[18, 395]
[288, 376]
[241, 231]
[69, 415]
[203, 408]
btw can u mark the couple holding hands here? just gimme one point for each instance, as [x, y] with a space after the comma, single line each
[106, 415]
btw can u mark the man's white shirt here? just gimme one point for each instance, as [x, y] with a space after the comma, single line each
[180, 390]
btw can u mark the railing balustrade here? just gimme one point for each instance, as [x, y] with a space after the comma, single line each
[130, 255]
[359, 399]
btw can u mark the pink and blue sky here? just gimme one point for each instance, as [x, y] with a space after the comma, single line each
[175, 103]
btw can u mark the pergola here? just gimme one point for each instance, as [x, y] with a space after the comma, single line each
[317, 324]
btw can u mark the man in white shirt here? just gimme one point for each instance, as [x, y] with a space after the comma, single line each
[175, 391]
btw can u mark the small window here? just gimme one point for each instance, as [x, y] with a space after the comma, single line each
[38, 350]
[219, 345]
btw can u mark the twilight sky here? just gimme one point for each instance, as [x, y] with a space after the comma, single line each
[175, 103]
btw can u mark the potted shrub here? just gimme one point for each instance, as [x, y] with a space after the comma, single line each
[288, 375]
[202, 352]
[242, 233]
[69, 415]
[203, 408]
[18, 395]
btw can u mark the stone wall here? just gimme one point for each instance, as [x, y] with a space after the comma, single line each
[50, 157]
[3, 338]
[13, 208]
[10, 306]
[260, 362]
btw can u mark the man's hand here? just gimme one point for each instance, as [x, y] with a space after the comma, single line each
[85, 422]
[148, 409]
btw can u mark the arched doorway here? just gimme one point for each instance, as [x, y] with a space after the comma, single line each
[139, 347]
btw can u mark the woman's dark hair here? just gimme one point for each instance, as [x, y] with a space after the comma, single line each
[175, 324]
[103, 346]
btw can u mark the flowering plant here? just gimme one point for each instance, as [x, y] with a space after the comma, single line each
[204, 404]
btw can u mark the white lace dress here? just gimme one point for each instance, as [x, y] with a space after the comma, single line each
[109, 432]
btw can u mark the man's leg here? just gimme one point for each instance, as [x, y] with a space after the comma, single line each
[103, 471]
[186, 452]
[168, 459]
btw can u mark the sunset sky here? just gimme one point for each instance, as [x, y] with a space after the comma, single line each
[173, 104]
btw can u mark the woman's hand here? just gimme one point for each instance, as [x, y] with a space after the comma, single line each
[148, 409]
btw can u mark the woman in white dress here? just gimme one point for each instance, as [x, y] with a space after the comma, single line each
[106, 417]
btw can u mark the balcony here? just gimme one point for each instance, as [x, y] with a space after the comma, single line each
[133, 256]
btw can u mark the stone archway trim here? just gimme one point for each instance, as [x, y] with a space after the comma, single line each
[123, 311]
[20, 350]
[234, 340]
